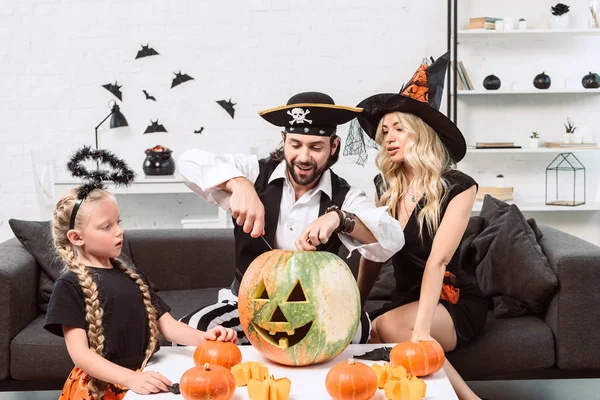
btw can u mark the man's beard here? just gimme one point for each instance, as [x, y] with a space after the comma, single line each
[305, 180]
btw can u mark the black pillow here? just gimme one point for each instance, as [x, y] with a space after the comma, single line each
[514, 265]
[36, 236]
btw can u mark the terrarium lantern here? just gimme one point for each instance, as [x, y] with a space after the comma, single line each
[565, 181]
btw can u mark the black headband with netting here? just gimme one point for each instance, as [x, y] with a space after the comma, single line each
[357, 143]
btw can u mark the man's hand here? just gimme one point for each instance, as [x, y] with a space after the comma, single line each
[246, 207]
[317, 232]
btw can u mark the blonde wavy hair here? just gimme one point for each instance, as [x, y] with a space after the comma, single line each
[428, 158]
[94, 312]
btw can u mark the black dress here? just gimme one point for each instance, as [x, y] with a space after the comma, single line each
[468, 306]
[125, 319]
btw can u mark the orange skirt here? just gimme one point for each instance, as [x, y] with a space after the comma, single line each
[449, 292]
[76, 388]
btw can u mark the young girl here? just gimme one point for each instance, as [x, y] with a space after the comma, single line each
[434, 298]
[108, 315]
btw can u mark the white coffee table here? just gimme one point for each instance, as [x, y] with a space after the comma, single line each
[307, 382]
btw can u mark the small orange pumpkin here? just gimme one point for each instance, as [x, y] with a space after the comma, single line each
[213, 352]
[207, 382]
[351, 380]
[419, 358]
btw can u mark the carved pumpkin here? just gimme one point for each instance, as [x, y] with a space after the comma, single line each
[419, 358]
[269, 389]
[351, 380]
[246, 371]
[406, 388]
[225, 354]
[207, 382]
[386, 372]
[299, 308]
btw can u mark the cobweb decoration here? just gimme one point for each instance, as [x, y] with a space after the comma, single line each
[357, 142]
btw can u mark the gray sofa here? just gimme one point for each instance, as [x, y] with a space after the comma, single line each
[189, 267]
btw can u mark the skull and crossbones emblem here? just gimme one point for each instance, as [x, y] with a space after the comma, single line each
[299, 116]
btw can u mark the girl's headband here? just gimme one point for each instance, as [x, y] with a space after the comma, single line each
[121, 174]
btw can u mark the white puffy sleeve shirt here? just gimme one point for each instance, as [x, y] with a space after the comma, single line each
[203, 172]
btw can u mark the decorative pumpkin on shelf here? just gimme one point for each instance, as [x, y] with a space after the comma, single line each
[419, 358]
[542, 81]
[159, 161]
[299, 308]
[207, 382]
[225, 354]
[351, 380]
[491, 82]
[591, 81]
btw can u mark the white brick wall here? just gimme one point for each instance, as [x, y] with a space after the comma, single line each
[56, 54]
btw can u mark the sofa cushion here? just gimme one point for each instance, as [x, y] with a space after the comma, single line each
[513, 269]
[36, 236]
[506, 345]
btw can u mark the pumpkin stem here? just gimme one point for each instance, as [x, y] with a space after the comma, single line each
[351, 361]
[207, 367]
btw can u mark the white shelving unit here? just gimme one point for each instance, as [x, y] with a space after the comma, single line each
[479, 34]
[535, 91]
[524, 206]
[524, 150]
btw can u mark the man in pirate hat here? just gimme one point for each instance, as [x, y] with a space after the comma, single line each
[290, 200]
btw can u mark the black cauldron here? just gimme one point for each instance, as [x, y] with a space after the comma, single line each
[542, 81]
[159, 161]
[591, 81]
[491, 82]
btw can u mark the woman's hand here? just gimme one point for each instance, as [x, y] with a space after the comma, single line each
[221, 334]
[421, 336]
[317, 232]
[148, 382]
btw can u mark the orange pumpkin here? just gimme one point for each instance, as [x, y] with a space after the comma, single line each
[214, 352]
[419, 358]
[207, 382]
[351, 380]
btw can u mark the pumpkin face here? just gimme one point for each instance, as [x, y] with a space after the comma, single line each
[299, 308]
[419, 358]
[207, 382]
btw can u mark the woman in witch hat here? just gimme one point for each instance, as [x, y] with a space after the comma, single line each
[419, 147]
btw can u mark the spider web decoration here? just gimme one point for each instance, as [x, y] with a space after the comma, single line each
[357, 143]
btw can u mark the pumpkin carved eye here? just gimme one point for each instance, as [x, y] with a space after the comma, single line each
[261, 292]
[297, 293]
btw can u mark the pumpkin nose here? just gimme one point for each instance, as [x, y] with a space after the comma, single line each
[278, 316]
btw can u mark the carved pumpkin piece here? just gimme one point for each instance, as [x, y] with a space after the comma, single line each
[299, 308]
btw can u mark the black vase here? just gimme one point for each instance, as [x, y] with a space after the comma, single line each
[591, 81]
[158, 163]
[491, 82]
[542, 81]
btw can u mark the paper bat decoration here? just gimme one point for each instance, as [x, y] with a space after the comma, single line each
[227, 106]
[114, 89]
[174, 388]
[146, 51]
[199, 131]
[378, 354]
[155, 127]
[148, 97]
[180, 78]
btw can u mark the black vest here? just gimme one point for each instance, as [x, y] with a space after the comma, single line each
[248, 248]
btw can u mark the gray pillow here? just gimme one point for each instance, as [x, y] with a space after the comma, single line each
[514, 265]
[36, 236]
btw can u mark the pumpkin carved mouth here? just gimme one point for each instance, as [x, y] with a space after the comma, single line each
[282, 338]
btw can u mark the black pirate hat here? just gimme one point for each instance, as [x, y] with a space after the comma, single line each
[422, 97]
[310, 113]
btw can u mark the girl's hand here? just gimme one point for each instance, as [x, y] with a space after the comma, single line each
[148, 382]
[221, 334]
[420, 336]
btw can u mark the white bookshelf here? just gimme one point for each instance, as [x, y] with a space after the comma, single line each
[141, 185]
[524, 150]
[524, 206]
[477, 34]
[483, 92]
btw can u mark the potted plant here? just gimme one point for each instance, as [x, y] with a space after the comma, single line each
[522, 24]
[569, 130]
[534, 140]
[560, 16]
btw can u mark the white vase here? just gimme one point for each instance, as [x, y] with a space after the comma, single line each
[558, 21]
[568, 138]
[522, 25]
[534, 143]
